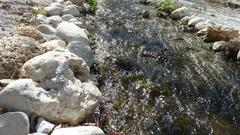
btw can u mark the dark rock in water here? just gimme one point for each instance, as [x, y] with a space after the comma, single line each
[127, 64]
[145, 14]
[145, 2]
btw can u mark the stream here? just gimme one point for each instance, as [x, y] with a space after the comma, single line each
[156, 79]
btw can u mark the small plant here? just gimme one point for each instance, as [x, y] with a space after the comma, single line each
[93, 5]
[183, 22]
[39, 11]
[168, 5]
[195, 6]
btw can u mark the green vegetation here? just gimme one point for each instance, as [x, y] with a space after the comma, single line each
[194, 5]
[39, 11]
[183, 22]
[168, 5]
[93, 5]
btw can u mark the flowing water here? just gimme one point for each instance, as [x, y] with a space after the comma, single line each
[157, 80]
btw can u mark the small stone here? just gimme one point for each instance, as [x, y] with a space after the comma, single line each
[53, 44]
[180, 13]
[44, 126]
[14, 123]
[67, 3]
[54, 10]
[72, 10]
[203, 25]
[39, 19]
[195, 20]
[37, 134]
[82, 130]
[219, 46]
[67, 17]
[47, 29]
[54, 20]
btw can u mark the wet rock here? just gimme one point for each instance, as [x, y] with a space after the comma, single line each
[44, 126]
[83, 50]
[44, 66]
[54, 20]
[53, 44]
[180, 13]
[14, 123]
[67, 17]
[82, 130]
[145, 2]
[72, 10]
[219, 46]
[70, 102]
[145, 14]
[54, 9]
[219, 33]
[195, 20]
[232, 47]
[82, 9]
[46, 29]
[71, 32]
[30, 31]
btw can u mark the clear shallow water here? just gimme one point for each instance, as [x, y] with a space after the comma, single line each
[158, 80]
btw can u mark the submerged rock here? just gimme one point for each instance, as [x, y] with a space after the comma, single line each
[82, 130]
[14, 123]
[71, 32]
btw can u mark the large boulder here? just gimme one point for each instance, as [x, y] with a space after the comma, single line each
[83, 50]
[58, 99]
[82, 130]
[44, 66]
[14, 123]
[71, 32]
[219, 33]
